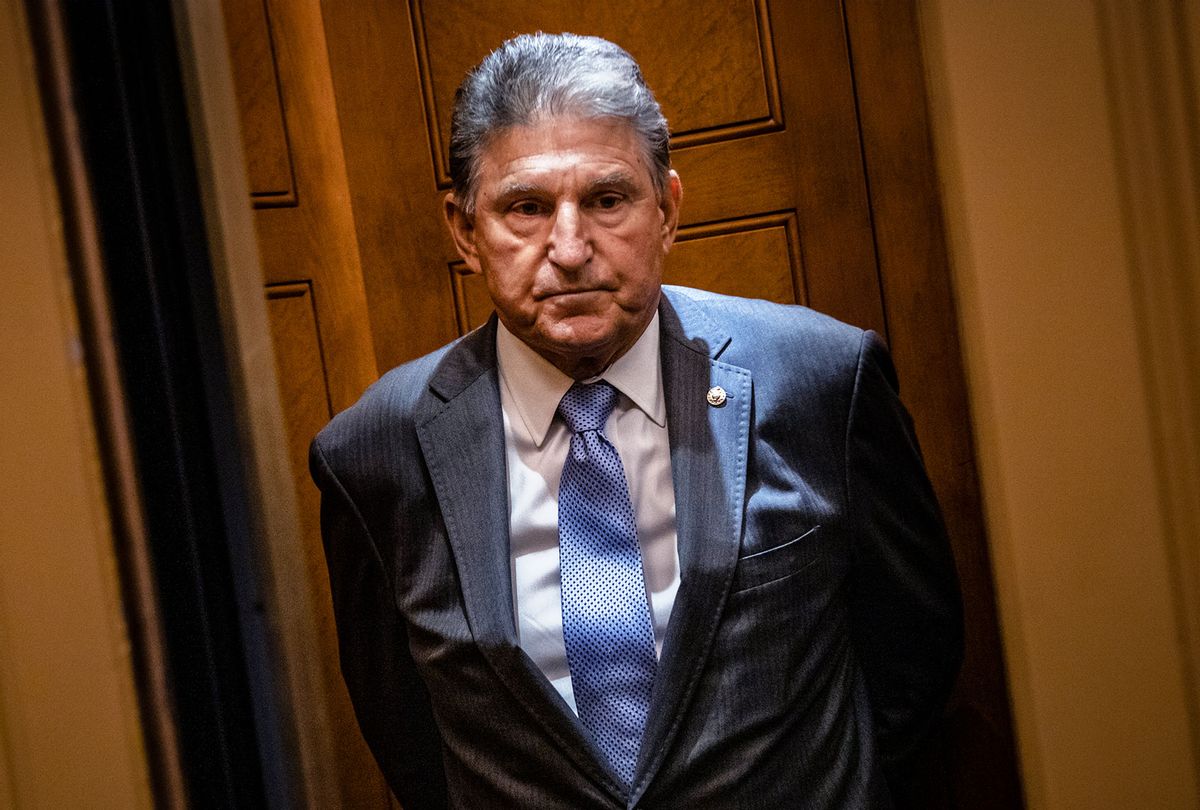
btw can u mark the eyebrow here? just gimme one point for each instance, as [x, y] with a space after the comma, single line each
[619, 179]
[511, 190]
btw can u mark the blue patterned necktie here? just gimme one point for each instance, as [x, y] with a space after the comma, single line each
[606, 614]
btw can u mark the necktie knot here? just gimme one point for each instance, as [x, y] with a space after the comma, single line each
[586, 406]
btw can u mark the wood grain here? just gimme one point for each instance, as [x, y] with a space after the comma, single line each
[268, 156]
[316, 301]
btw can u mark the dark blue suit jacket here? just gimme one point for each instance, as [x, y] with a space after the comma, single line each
[816, 632]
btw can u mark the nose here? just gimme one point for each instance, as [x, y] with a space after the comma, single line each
[569, 247]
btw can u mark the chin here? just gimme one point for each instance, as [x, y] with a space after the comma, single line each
[582, 346]
[582, 330]
[577, 344]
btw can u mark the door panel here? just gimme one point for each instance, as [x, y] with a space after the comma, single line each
[725, 89]
[268, 157]
[715, 257]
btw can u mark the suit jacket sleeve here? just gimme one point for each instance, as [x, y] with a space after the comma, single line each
[906, 609]
[395, 717]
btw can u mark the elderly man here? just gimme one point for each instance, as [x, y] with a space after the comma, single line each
[627, 545]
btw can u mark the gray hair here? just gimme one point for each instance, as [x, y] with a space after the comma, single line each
[542, 75]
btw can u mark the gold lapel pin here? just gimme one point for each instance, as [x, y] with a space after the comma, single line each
[716, 396]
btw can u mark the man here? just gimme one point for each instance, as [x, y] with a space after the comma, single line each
[627, 545]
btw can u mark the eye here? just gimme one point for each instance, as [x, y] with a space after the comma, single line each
[607, 202]
[527, 208]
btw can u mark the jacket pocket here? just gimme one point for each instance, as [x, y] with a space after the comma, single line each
[778, 562]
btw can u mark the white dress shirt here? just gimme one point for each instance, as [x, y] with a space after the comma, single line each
[536, 443]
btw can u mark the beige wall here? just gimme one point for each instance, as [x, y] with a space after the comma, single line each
[1088, 577]
[69, 730]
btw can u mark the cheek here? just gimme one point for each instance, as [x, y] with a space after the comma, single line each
[642, 243]
[502, 243]
[507, 291]
[508, 267]
[510, 284]
[644, 265]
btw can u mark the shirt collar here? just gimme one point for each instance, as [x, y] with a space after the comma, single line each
[535, 386]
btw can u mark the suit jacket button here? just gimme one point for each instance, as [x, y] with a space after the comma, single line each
[716, 396]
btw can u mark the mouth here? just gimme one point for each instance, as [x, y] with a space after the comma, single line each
[571, 293]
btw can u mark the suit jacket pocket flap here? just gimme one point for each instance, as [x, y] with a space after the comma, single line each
[777, 562]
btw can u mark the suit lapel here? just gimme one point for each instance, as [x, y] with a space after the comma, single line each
[708, 465]
[463, 445]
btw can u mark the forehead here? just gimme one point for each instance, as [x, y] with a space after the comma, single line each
[554, 151]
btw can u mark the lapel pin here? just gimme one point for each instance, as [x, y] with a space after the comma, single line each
[716, 396]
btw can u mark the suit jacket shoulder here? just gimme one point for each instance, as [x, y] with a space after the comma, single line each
[805, 364]
[408, 395]
[763, 333]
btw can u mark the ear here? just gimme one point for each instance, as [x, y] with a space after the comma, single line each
[670, 209]
[462, 230]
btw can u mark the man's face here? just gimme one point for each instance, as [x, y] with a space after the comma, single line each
[570, 236]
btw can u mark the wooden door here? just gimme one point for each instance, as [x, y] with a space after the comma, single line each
[766, 142]
[315, 297]
[766, 136]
